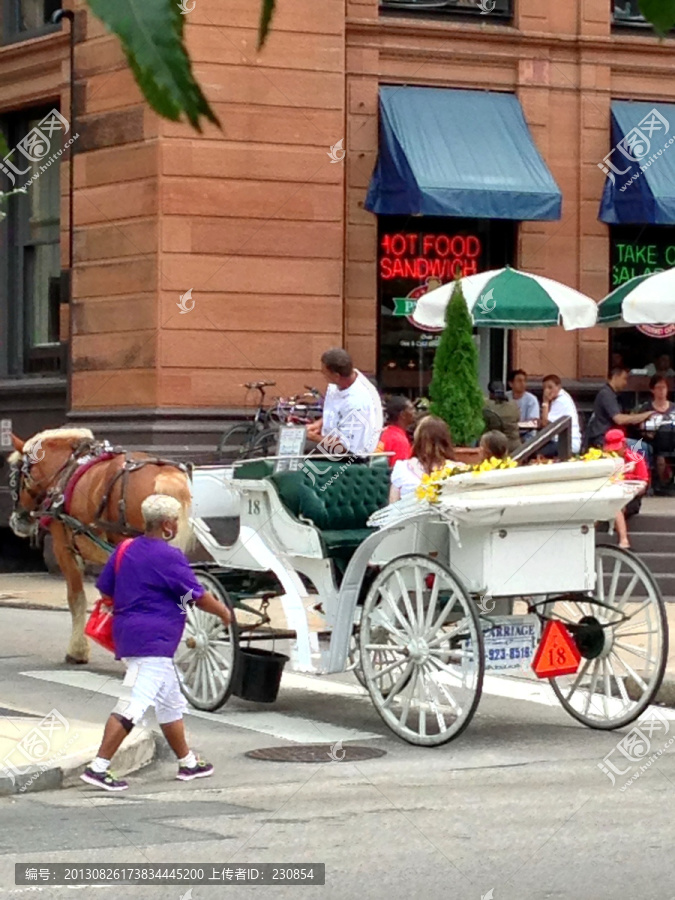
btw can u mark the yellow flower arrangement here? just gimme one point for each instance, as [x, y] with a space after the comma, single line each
[430, 487]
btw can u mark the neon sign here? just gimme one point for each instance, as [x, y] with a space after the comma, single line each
[419, 256]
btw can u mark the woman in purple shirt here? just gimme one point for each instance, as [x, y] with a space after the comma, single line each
[150, 585]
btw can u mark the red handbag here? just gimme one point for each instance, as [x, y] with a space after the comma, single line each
[99, 623]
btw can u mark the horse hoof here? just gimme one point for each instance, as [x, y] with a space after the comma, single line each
[73, 661]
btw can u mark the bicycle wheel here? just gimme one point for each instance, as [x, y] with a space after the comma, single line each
[237, 441]
[265, 444]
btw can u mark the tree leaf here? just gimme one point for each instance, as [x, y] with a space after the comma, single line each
[661, 13]
[266, 13]
[151, 33]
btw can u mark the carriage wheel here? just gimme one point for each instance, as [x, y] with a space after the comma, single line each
[381, 659]
[430, 631]
[208, 654]
[622, 634]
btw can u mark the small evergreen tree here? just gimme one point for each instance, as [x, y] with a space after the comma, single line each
[455, 393]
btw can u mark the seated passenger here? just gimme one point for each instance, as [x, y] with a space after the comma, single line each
[394, 439]
[432, 448]
[507, 413]
[493, 445]
[635, 470]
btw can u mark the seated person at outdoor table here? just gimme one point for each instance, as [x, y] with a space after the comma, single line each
[556, 403]
[352, 409]
[432, 448]
[660, 405]
[607, 412]
[660, 367]
[527, 402]
[400, 414]
[493, 445]
[636, 469]
[507, 412]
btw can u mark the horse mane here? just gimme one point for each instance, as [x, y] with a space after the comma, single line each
[67, 434]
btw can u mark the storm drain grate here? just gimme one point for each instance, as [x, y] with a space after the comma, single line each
[316, 753]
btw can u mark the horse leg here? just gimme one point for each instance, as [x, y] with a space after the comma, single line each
[72, 569]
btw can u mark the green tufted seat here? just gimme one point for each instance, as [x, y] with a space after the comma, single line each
[339, 501]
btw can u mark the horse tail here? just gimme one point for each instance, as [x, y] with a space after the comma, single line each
[176, 484]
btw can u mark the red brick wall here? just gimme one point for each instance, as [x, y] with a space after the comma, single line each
[251, 216]
[116, 280]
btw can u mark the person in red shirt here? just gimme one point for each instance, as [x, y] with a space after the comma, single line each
[394, 439]
[635, 469]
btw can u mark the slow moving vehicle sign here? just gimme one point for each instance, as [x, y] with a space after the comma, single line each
[557, 653]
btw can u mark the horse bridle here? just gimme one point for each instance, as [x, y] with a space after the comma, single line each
[20, 479]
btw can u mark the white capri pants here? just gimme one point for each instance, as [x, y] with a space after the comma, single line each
[153, 680]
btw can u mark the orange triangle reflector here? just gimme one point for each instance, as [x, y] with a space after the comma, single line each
[557, 654]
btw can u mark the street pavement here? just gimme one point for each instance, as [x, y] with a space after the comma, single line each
[516, 809]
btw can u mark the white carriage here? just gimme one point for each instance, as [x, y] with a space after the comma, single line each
[432, 595]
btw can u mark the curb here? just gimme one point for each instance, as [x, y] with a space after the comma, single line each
[138, 750]
[666, 693]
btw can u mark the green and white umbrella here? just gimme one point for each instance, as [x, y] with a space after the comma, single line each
[644, 300]
[507, 298]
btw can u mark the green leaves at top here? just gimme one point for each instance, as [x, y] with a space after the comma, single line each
[661, 13]
[266, 13]
[151, 33]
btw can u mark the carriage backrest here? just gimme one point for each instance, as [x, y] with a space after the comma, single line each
[340, 497]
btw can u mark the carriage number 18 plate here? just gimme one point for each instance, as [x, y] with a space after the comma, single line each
[510, 643]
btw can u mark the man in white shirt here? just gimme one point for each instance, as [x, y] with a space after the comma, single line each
[556, 403]
[352, 409]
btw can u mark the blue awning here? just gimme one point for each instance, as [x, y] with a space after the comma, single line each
[640, 167]
[446, 152]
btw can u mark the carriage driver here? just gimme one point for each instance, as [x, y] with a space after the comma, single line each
[352, 410]
[151, 587]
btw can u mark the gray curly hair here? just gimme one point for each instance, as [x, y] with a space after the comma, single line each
[158, 508]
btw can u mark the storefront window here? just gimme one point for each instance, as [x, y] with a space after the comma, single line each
[27, 18]
[641, 250]
[494, 9]
[417, 255]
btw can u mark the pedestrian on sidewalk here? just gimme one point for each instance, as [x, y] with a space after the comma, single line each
[150, 588]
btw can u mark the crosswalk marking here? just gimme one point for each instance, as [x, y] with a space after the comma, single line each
[290, 728]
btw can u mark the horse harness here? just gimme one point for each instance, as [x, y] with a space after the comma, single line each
[85, 455]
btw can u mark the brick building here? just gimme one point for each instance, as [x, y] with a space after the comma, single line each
[265, 221]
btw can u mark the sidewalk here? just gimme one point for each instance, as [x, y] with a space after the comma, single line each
[41, 752]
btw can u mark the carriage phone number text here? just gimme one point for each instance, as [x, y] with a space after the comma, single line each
[159, 873]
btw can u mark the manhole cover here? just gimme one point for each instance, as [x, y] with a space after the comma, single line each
[316, 753]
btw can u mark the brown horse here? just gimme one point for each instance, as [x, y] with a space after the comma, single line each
[66, 472]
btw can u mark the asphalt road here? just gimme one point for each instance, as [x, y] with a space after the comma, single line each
[517, 806]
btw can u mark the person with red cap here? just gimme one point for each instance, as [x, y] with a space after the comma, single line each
[635, 469]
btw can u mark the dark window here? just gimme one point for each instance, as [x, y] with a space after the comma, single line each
[487, 9]
[30, 243]
[28, 18]
[627, 13]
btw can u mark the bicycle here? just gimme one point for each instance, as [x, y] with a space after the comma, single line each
[257, 438]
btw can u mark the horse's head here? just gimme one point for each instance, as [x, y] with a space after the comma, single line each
[35, 467]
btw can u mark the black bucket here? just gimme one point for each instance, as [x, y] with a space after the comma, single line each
[259, 674]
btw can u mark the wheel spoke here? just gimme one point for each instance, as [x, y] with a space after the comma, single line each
[405, 596]
[636, 651]
[419, 598]
[630, 671]
[433, 603]
[403, 677]
[378, 674]
[405, 706]
[577, 681]
[385, 594]
[591, 690]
